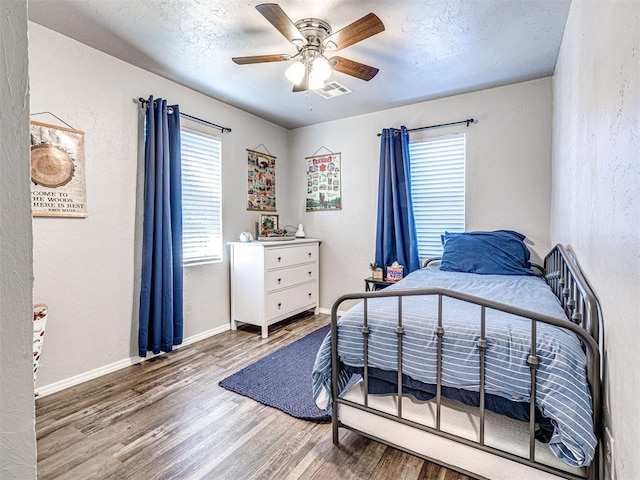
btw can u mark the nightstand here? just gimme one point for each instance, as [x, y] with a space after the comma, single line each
[371, 285]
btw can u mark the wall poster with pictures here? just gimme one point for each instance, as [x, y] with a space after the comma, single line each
[261, 181]
[323, 182]
[58, 187]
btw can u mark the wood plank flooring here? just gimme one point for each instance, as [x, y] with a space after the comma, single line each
[167, 418]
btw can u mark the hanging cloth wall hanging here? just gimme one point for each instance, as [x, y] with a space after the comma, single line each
[58, 184]
[324, 184]
[261, 181]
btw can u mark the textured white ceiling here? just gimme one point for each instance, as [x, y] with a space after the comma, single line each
[430, 48]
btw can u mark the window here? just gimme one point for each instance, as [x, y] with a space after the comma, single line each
[201, 197]
[437, 189]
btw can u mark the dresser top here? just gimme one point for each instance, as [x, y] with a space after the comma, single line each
[279, 243]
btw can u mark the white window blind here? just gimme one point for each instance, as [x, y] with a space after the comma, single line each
[201, 197]
[437, 189]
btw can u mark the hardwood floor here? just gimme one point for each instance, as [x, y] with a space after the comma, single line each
[167, 418]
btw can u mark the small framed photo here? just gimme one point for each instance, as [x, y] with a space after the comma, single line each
[269, 223]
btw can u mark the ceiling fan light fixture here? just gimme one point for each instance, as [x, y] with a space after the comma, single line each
[295, 72]
[320, 68]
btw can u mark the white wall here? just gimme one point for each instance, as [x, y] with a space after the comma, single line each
[596, 181]
[508, 177]
[84, 267]
[17, 431]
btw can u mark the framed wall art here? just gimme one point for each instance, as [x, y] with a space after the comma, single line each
[58, 187]
[323, 183]
[269, 223]
[261, 181]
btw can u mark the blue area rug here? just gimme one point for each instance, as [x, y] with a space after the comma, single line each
[283, 379]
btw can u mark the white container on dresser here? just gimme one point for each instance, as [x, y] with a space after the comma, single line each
[271, 281]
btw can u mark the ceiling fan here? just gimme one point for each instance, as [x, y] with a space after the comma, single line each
[313, 37]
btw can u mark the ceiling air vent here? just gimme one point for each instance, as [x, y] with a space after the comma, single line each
[332, 89]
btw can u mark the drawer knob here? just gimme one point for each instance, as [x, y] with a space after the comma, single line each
[279, 305]
[309, 253]
[279, 280]
[309, 273]
[309, 295]
[279, 258]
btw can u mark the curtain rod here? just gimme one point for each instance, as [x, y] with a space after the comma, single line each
[191, 117]
[468, 121]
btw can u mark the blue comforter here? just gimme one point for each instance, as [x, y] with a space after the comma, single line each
[562, 389]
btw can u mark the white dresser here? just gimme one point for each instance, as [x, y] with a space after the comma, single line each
[271, 281]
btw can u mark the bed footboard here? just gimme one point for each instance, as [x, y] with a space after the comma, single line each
[580, 304]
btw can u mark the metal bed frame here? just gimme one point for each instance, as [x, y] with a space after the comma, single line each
[563, 275]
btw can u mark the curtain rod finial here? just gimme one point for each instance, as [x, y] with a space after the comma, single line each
[141, 101]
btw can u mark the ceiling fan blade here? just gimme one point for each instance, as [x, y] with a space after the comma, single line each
[353, 68]
[366, 27]
[276, 16]
[261, 59]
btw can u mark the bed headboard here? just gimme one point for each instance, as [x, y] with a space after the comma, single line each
[565, 278]
[576, 296]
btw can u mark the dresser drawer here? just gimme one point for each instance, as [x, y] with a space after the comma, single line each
[284, 301]
[288, 277]
[287, 256]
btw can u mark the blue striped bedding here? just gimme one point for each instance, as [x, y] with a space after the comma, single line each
[562, 389]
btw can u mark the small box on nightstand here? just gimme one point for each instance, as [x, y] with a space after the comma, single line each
[394, 273]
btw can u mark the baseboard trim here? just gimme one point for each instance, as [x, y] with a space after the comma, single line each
[126, 362]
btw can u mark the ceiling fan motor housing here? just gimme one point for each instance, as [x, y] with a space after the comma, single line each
[315, 31]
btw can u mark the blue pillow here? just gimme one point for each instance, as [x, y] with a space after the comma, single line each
[501, 252]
